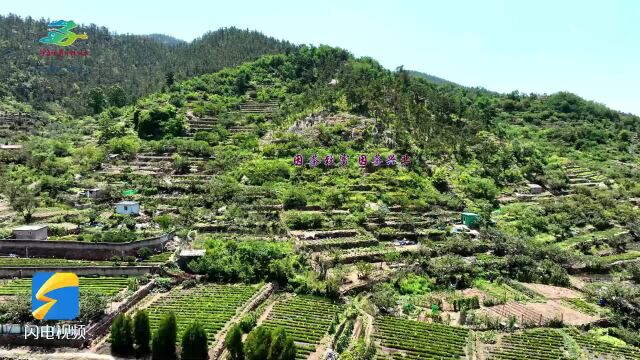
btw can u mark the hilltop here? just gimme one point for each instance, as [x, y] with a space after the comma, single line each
[120, 67]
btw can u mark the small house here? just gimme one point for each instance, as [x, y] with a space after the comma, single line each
[535, 189]
[186, 256]
[470, 219]
[128, 208]
[94, 193]
[31, 232]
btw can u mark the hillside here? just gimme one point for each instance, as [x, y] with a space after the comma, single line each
[137, 64]
[429, 77]
[477, 225]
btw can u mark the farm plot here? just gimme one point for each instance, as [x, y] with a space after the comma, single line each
[581, 305]
[408, 339]
[212, 305]
[305, 318]
[602, 350]
[506, 292]
[520, 312]
[107, 286]
[539, 344]
[36, 262]
[373, 253]
[337, 243]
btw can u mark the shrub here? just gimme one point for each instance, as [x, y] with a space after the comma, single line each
[294, 199]
[194, 343]
[144, 253]
[233, 343]
[163, 284]
[297, 220]
[282, 346]
[187, 284]
[415, 284]
[141, 332]
[121, 335]
[257, 345]
[163, 345]
[466, 303]
[248, 322]
[92, 305]
[488, 337]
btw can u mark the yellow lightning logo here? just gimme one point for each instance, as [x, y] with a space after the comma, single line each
[57, 281]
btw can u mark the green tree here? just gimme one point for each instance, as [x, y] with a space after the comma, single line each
[121, 335]
[116, 96]
[194, 343]
[282, 347]
[142, 332]
[97, 100]
[257, 344]
[163, 345]
[233, 343]
[169, 78]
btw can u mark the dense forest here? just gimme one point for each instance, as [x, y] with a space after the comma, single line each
[120, 67]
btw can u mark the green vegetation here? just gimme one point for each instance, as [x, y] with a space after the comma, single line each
[213, 305]
[194, 343]
[532, 344]
[122, 335]
[210, 156]
[419, 340]
[305, 319]
[163, 344]
[107, 286]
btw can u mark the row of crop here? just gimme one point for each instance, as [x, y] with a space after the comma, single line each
[500, 291]
[421, 340]
[32, 262]
[306, 319]
[602, 349]
[211, 305]
[341, 243]
[581, 305]
[107, 286]
[539, 344]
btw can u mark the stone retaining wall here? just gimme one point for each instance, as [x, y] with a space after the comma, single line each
[80, 250]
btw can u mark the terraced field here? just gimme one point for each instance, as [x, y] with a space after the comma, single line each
[602, 350]
[212, 305]
[505, 292]
[107, 286]
[408, 339]
[35, 262]
[538, 344]
[305, 318]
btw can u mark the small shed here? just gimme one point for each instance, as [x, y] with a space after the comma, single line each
[128, 208]
[535, 189]
[31, 232]
[186, 256]
[470, 219]
[94, 193]
[10, 146]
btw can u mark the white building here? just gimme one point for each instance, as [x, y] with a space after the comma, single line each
[31, 232]
[128, 208]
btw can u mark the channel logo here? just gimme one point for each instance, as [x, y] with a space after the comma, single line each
[55, 296]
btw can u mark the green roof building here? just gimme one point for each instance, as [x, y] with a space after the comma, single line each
[470, 219]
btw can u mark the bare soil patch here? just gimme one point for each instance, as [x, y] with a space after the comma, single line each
[553, 292]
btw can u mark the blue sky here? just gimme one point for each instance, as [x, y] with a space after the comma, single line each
[591, 48]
